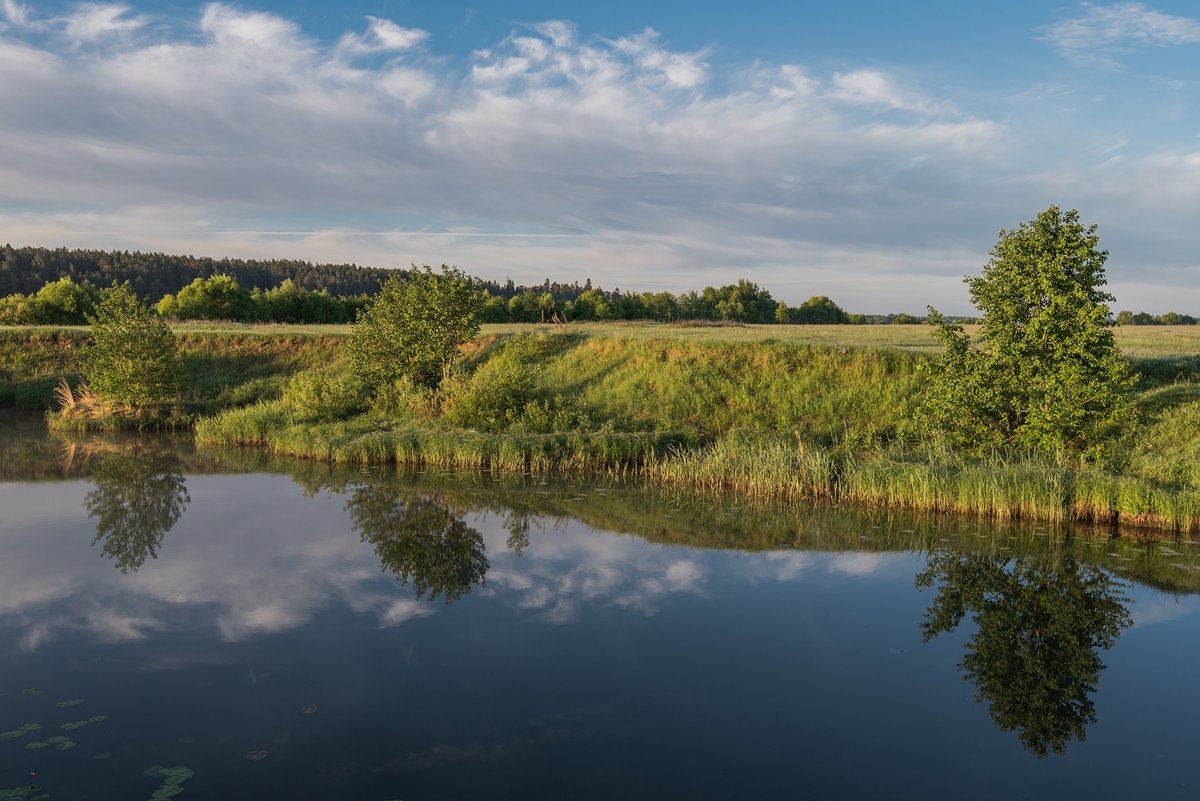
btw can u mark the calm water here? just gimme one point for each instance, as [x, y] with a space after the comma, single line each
[222, 626]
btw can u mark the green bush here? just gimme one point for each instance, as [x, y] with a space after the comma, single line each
[313, 395]
[404, 399]
[132, 361]
[493, 396]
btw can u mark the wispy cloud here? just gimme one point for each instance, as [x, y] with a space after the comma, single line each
[92, 22]
[1102, 32]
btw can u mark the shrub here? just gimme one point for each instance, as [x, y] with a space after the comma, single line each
[132, 361]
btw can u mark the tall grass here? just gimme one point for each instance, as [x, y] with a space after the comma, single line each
[765, 419]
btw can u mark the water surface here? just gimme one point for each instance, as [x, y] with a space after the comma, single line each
[224, 626]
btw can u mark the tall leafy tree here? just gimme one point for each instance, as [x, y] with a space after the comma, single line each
[1046, 373]
[415, 326]
[132, 360]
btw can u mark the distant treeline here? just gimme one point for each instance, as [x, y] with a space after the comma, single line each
[43, 286]
[153, 275]
[1145, 318]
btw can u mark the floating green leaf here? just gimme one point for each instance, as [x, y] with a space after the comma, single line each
[79, 724]
[20, 732]
[173, 779]
[36, 745]
[62, 743]
[68, 704]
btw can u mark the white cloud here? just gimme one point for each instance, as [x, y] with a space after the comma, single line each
[382, 35]
[677, 70]
[16, 12]
[875, 88]
[393, 37]
[857, 564]
[1103, 31]
[91, 22]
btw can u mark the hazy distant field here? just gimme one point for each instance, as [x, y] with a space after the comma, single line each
[1137, 341]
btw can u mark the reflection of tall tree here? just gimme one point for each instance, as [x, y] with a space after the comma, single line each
[1034, 656]
[137, 498]
[517, 526]
[420, 540]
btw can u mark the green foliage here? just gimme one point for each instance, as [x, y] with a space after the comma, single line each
[493, 396]
[1046, 374]
[319, 395]
[215, 298]
[817, 310]
[1126, 317]
[404, 399]
[415, 326]
[289, 303]
[132, 361]
[743, 302]
[1033, 655]
[61, 302]
[504, 392]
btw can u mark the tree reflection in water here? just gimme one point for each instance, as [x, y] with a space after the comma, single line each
[137, 498]
[420, 540]
[1041, 622]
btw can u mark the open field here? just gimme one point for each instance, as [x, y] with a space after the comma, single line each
[1138, 342]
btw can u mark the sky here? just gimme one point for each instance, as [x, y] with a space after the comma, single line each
[870, 151]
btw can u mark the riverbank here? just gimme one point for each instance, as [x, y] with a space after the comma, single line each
[766, 419]
[668, 515]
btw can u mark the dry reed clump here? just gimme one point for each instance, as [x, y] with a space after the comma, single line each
[80, 403]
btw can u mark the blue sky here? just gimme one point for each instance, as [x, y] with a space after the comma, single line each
[869, 151]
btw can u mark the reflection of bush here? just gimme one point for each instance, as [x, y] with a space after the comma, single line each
[419, 540]
[136, 500]
[1033, 658]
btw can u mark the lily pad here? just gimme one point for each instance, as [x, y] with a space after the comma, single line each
[173, 779]
[21, 731]
[79, 724]
[37, 745]
[68, 704]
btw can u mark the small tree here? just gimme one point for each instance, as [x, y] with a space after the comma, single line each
[415, 326]
[1046, 373]
[132, 360]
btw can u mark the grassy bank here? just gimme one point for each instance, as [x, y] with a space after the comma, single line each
[768, 420]
[715, 409]
[665, 514]
[219, 370]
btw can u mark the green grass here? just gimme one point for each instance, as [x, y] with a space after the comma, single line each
[1138, 342]
[219, 370]
[716, 409]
